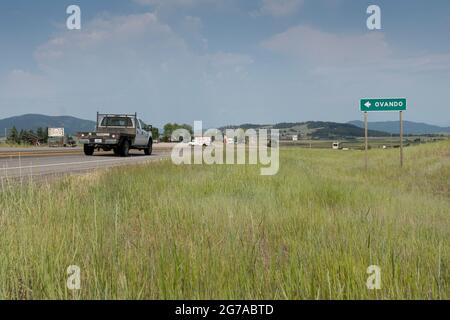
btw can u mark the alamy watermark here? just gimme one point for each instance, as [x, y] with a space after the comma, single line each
[374, 280]
[235, 147]
[74, 277]
[73, 22]
[73, 282]
[374, 20]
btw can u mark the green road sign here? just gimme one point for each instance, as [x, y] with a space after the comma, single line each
[368, 105]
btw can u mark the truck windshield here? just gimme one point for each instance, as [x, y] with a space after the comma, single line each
[116, 122]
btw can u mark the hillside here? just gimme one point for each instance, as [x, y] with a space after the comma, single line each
[410, 127]
[314, 130]
[71, 125]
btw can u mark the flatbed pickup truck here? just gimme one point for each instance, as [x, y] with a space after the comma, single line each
[117, 132]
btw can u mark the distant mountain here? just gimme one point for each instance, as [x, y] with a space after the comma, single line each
[314, 129]
[71, 125]
[409, 127]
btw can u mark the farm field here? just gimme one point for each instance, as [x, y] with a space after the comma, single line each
[160, 231]
[358, 143]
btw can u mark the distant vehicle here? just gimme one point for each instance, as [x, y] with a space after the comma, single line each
[118, 132]
[201, 141]
[59, 142]
[226, 140]
[335, 146]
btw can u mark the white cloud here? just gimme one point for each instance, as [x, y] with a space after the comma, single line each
[175, 3]
[227, 60]
[169, 73]
[193, 24]
[134, 40]
[190, 28]
[326, 52]
[318, 47]
[126, 63]
[335, 70]
[224, 65]
[279, 8]
[112, 32]
[171, 2]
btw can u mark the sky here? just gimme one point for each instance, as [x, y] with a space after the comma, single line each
[225, 61]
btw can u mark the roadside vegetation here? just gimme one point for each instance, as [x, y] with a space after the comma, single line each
[26, 137]
[161, 231]
[7, 144]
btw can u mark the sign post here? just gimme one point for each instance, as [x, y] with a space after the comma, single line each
[401, 138]
[366, 139]
[380, 105]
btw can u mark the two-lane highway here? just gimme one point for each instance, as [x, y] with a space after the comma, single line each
[38, 162]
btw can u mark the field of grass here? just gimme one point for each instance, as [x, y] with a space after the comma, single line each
[14, 145]
[359, 144]
[161, 231]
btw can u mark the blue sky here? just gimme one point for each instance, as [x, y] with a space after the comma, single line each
[224, 62]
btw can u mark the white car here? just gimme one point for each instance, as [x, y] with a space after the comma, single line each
[201, 141]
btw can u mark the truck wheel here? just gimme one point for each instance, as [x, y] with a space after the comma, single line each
[88, 150]
[149, 149]
[125, 148]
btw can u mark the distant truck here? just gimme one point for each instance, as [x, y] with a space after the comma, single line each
[118, 132]
[59, 142]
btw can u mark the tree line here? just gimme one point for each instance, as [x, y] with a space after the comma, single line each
[169, 128]
[27, 136]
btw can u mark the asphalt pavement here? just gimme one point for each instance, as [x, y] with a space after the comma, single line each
[34, 163]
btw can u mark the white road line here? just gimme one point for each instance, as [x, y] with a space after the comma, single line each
[72, 163]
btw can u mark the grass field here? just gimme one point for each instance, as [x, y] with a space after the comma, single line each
[161, 231]
[4, 144]
[359, 144]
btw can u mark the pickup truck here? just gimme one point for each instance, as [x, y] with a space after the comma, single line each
[117, 132]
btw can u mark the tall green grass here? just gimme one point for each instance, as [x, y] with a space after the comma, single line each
[161, 231]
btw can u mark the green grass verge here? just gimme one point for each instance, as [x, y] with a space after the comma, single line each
[161, 231]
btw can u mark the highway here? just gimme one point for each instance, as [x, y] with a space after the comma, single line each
[35, 163]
